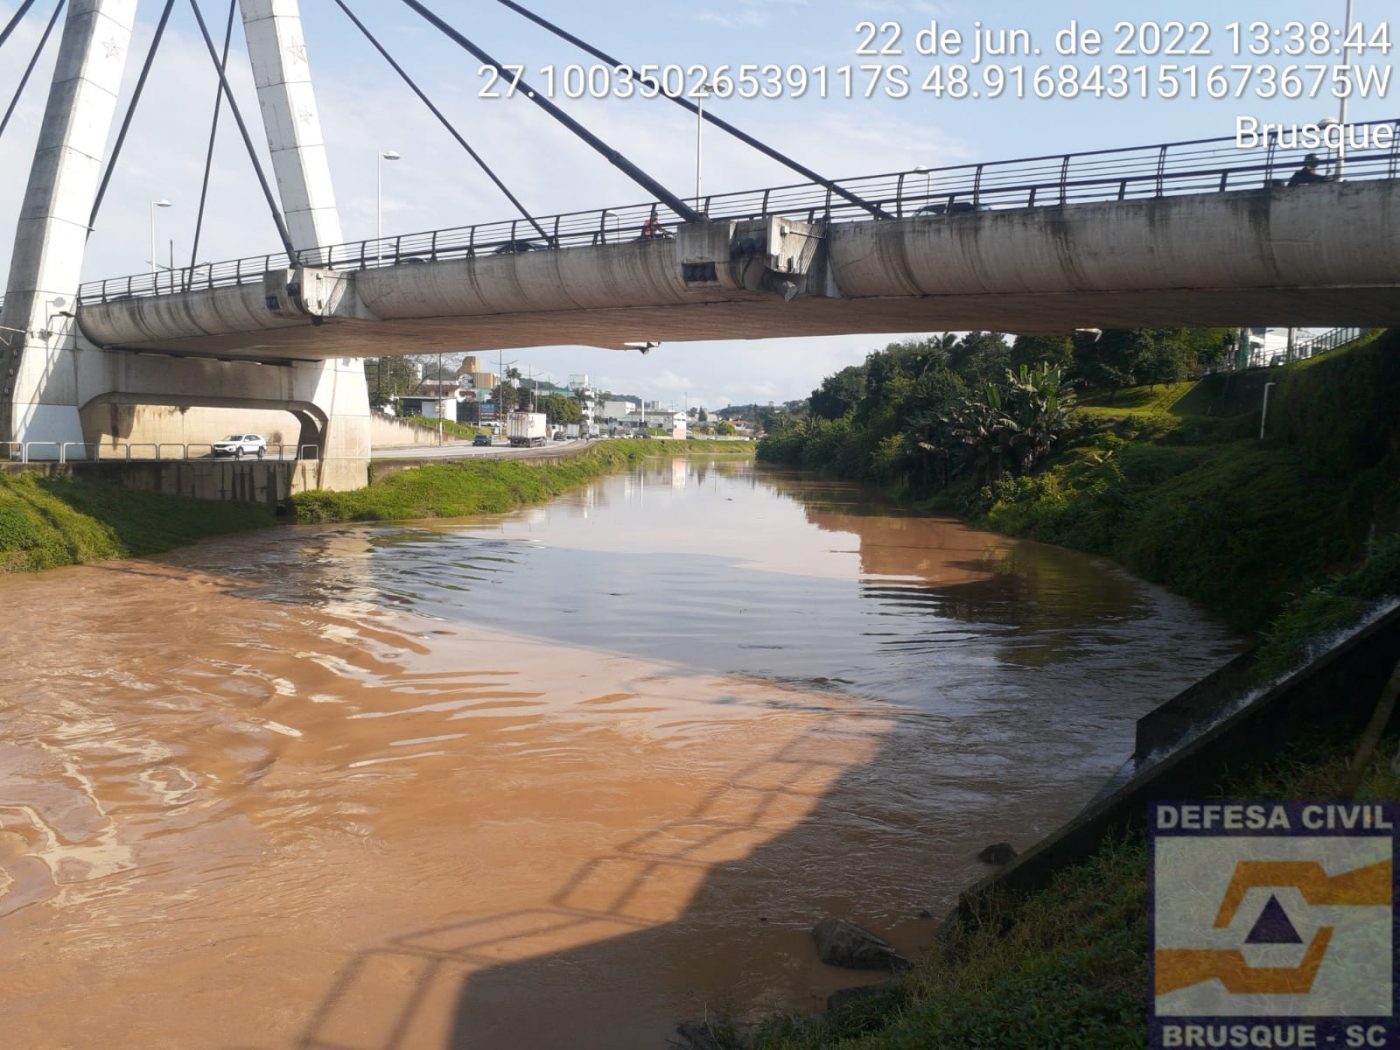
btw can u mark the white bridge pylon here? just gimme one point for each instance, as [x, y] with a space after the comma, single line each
[54, 385]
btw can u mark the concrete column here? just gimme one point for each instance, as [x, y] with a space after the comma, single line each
[282, 72]
[39, 364]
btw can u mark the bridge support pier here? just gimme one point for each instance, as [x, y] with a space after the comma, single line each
[53, 381]
[120, 389]
[38, 343]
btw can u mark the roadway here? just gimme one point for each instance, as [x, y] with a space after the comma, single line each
[455, 450]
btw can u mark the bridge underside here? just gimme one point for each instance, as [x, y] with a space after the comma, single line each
[1312, 256]
[772, 318]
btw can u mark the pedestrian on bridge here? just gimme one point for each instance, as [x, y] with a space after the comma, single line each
[652, 227]
[1307, 174]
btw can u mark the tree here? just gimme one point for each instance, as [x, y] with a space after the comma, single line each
[839, 394]
[724, 428]
[1036, 350]
[505, 398]
[390, 378]
[439, 367]
[1013, 424]
[559, 409]
[980, 357]
[1146, 356]
[703, 416]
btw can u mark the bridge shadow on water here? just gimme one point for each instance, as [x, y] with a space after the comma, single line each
[610, 962]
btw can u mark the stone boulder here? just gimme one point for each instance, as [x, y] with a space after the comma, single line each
[842, 943]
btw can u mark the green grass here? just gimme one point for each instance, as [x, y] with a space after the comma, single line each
[459, 490]
[48, 522]
[1064, 969]
[1163, 400]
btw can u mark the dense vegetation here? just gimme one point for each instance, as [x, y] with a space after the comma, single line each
[948, 412]
[47, 522]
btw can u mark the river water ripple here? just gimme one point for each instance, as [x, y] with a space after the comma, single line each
[553, 779]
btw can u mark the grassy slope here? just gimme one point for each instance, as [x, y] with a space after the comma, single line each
[47, 522]
[1177, 486]
[1061, 970]
[458, 490]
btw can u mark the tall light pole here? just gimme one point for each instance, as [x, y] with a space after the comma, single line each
[384, 154]
[1346, 59]
[701, 93]
[155, 266]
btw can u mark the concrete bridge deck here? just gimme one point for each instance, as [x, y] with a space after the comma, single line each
[1309, 256]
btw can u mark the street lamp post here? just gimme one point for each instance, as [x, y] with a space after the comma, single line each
[1346, 59]
[702, 92]
[155, 266]
[384, 154]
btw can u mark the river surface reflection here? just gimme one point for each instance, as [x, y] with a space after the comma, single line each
[553, 779]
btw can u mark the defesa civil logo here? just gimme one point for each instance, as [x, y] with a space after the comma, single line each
[1273, 925]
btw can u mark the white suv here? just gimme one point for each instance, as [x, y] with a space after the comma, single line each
[240, 445]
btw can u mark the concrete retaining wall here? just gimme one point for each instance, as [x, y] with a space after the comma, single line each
[387, 432]
[1335, 694]
[248, 481]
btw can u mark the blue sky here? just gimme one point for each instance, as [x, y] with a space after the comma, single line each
[365, 108]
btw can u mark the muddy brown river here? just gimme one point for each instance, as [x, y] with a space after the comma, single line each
[554, 779]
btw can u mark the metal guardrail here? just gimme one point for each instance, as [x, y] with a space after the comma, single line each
[1304, 349]
[144, 452]
[1321, 344]
[1215, 165]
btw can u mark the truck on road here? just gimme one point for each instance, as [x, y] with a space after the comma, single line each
[527, 429]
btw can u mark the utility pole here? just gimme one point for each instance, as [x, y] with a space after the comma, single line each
[1340, 169]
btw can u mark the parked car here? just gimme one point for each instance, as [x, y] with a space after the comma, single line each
[955, 208]
[514, 247]
[240, 445]
[482, 441]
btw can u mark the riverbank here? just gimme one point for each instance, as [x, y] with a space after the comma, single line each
[47, 522]
[462, 489]
[1065, 968]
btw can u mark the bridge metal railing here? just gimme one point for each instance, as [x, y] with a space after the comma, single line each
[1217, 165]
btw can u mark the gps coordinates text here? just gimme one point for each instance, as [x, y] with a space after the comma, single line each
[1243, 60]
